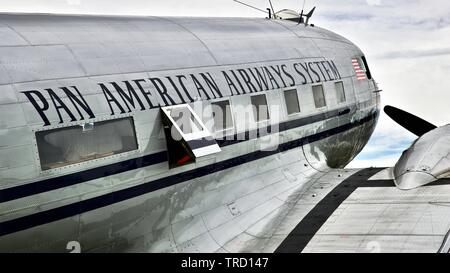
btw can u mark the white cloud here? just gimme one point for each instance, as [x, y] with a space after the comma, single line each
[384, 161]
[74, 2]
[374, 2]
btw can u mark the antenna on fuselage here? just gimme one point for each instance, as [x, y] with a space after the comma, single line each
[253, 7]
[273, 11]
[284, 14]
[308, 15]
[301, 21]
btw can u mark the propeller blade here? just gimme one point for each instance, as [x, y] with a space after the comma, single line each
[408, 121]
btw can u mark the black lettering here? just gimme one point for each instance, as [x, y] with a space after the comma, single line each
[284, 69]
[199, 87]
[334, 69]
[314, 71]
[318, 66]
[271, 78]
[176, 89]
[179, 77]
[81, 102]
[212, 85]
[111, 99]
[231, 84]
[237, 79]
[260, 80]
[39, 108]
[59, 104]
[128, 99]
[248, 82]
[278, 72]
[305, 81]
[326, 70]
[305, 67]
[162, 90]
[147, 94]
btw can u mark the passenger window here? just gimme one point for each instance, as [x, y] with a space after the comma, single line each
[66, 146]
[340, 92]
[260, 107]
[222, 115]
[186, 136]
[185, 120]
[319, 96]
[291, 99]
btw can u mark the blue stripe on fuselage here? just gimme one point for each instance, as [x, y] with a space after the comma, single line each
[29, 189]
[69, 210]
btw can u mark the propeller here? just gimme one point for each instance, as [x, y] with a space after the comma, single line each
[408, 121]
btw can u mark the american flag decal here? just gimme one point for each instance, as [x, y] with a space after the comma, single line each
[360, 74]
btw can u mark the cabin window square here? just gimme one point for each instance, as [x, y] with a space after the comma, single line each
[340, 92]
[291, 99]
[185, 120]
[66, 146]
[222, 115]
[319, 96]
[186, 136]
[260, 107]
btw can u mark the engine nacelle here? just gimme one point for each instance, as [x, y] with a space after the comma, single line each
[427, 160]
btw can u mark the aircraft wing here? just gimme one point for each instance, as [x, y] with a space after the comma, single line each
[352, 211]
[365, 212]
[297, 208]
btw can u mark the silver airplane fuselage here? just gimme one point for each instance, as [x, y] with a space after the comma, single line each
[84, 156]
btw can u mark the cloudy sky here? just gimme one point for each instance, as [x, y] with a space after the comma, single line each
[407, 43]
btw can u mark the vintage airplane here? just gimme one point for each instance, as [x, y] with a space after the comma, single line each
[151, 134]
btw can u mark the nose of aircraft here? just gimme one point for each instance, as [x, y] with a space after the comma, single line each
[412, 180]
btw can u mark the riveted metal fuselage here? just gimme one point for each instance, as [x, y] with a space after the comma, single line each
[60, 71]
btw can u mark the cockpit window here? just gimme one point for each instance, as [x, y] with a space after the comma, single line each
[366, 67]
[361, 68]
[70, 145]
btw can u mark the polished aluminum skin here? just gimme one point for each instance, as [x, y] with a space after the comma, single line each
[245, 198]
[425, 161]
